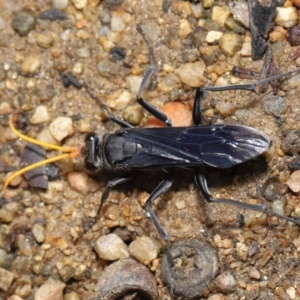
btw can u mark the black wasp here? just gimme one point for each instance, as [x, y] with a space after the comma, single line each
[218, 146]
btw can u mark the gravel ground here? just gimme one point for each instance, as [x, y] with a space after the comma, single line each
[50, 245]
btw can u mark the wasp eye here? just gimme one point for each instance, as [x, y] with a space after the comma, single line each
[91, 136]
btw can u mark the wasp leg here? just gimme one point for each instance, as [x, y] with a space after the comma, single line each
[156, 112]
[112, 183]
[202, 185]
[158, 191]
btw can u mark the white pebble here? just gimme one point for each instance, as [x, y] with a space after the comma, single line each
[60, 4]
[286, 16]
[213, 36]
[184, 28]
[294, 181]
[78, 181]
[133, 82]
[40, 115]
[291, 291]
[83, 52]
[79, 4]
[61, 127]
[31, 64]
[111, 247]
[117, 23]
[246, 49]
[119, 100]
[38, 233]
[230, 43]
[192, 73]
[220, 14]
[145, 249]
[51, 289]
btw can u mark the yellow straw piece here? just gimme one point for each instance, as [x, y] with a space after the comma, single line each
[72, 152]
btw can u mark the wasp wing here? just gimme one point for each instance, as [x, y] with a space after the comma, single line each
[220, 146]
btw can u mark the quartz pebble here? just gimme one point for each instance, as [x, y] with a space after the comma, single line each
[79, 4]
[184, 28]
[50, 290]
[119, 100]
[240, 12]
[133, 82]
[79, 182]
[61, 127]
[225, 283]
[111, 247]
[40, 115]
[294, 181]
[38, 233]
[213, 36]
[145, 249]
[230, 43]
[6, 279]
[286, 16]
[220, 14]
[31, 64]
[192, 74]
[60, 4]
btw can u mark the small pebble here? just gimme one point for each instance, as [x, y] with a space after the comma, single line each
[242, 251]
[294, 181]
[61, 127]
[44, 40]
[246, 49]
[111, 247]
[83, 52]
[225, 283]
[118, 100]
[31, 64]
[133, 83]
[240, 12]
[71, 296]
[184, 28]
[286, 16]
[208, 3]
[60, 4]
[6, 279]
[213, 36]
[52, 289]
[117, 23]
[133, 114]
[6, 216]
[220, 14]
[254, 273]
[274, 105]
[38, 232]
[145, 249]
[230, 43]
[40, 115]
[23, 22]
[291, 291]
[192, 74]
[79, 181]
[293, 36]
[79, 4]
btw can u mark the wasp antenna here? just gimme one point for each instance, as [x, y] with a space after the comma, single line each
[40, 143]
[72, 152]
